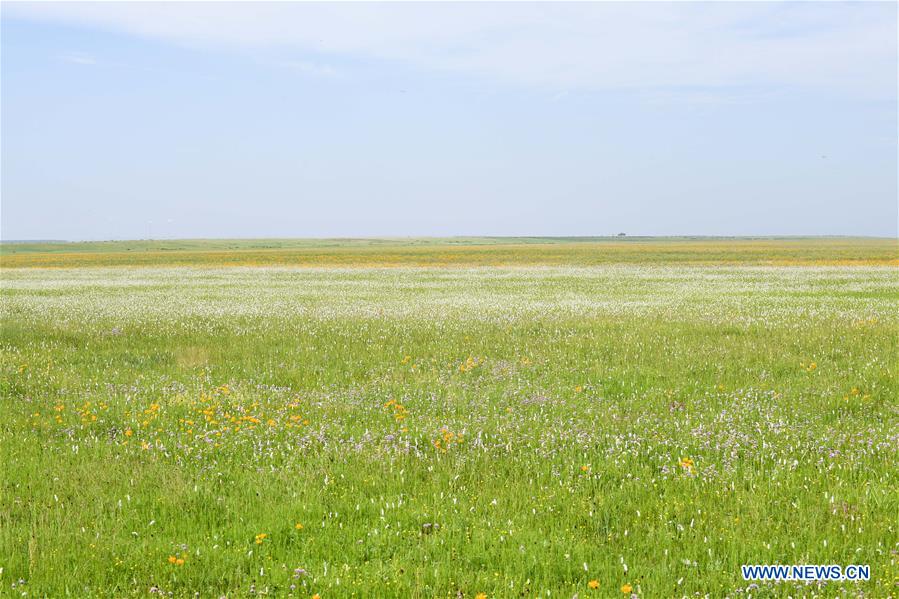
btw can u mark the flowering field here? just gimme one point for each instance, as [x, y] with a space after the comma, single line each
[458, 252]
[518, 431]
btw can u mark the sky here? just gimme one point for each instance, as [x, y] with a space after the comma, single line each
[190, 120]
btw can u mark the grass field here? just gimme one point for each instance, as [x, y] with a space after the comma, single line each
[543, 418]
[459, 252]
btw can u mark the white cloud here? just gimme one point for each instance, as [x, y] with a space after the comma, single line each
[846, 47]
[77, 58]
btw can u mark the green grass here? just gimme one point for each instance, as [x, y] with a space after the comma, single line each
[459, 252]
[180, 412]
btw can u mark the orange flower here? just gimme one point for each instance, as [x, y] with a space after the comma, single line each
[593, 584]
[626, 588]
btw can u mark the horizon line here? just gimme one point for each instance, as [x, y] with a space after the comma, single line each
[616, 236]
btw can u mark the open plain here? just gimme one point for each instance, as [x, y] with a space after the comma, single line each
[445, 418]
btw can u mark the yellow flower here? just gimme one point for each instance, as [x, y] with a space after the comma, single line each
[129, 432]
[172, 559]
[316, 596]
[179, 561]
[298, 526]
[626, 588]
[260, 537]
[593, 584]
[578, 389]
[481, 596]
[585, 468]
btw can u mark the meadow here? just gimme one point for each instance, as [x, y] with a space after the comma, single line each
[468, 418]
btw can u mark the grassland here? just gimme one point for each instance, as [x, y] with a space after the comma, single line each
[539, 416]
[459, 252]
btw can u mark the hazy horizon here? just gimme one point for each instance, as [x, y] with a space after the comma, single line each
[135, 121]
[474, 238]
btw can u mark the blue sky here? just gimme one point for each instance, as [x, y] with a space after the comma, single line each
[310, 120]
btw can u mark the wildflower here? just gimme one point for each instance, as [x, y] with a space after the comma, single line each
[593, 584]
[585, 468]
[129, 432]
[298, 526]
[469, 364]
[626, 588]
[481, 596]
[260, 538]
[172, 559]
[316, 596]
[578, 389]
[179, 561]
